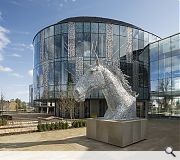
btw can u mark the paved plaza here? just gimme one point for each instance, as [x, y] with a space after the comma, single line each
[161, 133]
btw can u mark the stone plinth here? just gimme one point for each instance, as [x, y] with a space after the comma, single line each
[119, 133]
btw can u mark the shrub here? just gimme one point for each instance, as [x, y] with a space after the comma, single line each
[44, 127]
[66, 125]
[39, 127]
[3, 122]
[52, 126]
[79, 123]
[48, 126]
[60, 125]
[56, 126]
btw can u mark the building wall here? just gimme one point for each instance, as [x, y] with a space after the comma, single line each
[165, 77]
[63, 50]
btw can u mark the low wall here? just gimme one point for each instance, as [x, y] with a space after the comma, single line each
[119, 133]
[18, 127]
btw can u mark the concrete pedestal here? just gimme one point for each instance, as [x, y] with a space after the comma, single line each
[119, 133]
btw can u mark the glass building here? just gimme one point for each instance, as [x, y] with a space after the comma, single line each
[165, 77]
[62, 50]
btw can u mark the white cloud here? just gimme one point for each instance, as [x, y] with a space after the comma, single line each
[17, 75]
[4, 40]
[16, 55]
[5, 69]
[61, 4]
[30, 72]
[22, 46]
[74, 0]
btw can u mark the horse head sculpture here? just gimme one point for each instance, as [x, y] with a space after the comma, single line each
[120, 99]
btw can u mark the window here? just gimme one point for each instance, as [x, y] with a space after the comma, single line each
[51, 73]
[116, 29]
[102, 28]
[87, 27]
[64, 28]
[79, 45]
[135, 33]
[94, 27]
[116, 47]
[154, 70]
[87, 45]
[154, 52]
[79, 27]
[57, 29]
[49, 31]
[176, 66]
[102, 45]
[123, 31]
[141, 35]
[164, 48]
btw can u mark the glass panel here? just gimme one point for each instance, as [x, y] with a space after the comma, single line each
[51, 73]
[154, 87]
[87, 44]
[49, 47]
[116, 47]
[164, 48]
[94, 43]
[57, 46]
[51, 91]
[135, 44]
[154, 52]
[87, 27]
[64, 45]
[79, 45]
[154, 70]
[64, 72]
[175, 45]
[135, 33]
[154, 105]
[57, 29]
[141, 35]
[164, 86]
[57, 73]
[140, 44]
[146, 36]
[165, 68]
[116, 29]
[49, 31]
[176, 66]
[79, 27]
[64, 28]
[123, 42]
[176, 86]
[123, 30]
[94, 27]
[102, 45]
[102, 28]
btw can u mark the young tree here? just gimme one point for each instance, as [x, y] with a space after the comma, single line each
[2, 104]
[66, 102]
[164, 87]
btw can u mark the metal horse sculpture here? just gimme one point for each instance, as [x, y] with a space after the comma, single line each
[121, 100]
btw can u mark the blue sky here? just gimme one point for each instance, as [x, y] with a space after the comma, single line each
[20, 20]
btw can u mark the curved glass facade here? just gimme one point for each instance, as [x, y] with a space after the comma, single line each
[63, 49]
[61, 52]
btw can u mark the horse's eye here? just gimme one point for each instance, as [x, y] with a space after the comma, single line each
[91, 71]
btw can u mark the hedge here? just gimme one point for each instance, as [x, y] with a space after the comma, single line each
[60, 125]
[3, 122]
[79, 123]
[52, 126]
